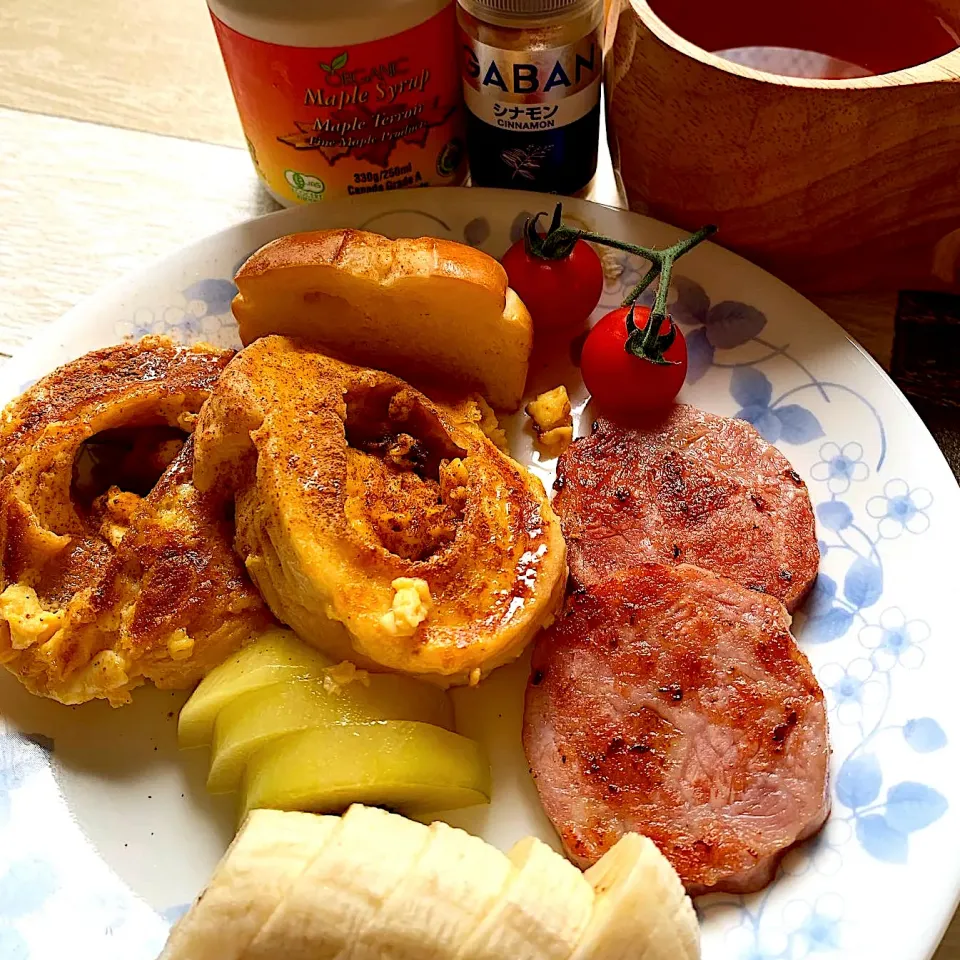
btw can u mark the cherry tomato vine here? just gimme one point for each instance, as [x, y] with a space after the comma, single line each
[630, 364]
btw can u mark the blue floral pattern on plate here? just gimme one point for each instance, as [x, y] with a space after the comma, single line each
[866, 634]
[202, 315]
[859, 688]
[98, 908]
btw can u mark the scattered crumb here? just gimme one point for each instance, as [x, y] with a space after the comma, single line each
[180, 645]
[553, 442]
[339, 676]
[552, 421]
[187, 421]
[487, 421]
[550, 409]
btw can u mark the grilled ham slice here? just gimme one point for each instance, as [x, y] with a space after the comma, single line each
[695, 488]
[672, 702]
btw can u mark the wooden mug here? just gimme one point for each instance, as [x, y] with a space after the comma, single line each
[833, 185]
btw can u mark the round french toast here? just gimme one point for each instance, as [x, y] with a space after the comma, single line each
[102, 588]
[382, 526]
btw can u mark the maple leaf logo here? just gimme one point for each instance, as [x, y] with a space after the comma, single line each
[304, 138]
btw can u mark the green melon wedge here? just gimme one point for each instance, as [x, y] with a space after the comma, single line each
[256, 719]
[413, 768]
[276, 656]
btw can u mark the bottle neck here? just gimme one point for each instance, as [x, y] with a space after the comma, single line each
[323, 23]
[524, 20]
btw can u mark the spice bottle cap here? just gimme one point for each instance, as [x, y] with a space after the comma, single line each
[527, 8]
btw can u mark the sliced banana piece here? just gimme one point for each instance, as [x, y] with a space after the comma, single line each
[444, 898]
[265, 859]
[638, 907]
[541, 913]
[373, 885]
[668, 941]
[677, 935]
[367, 859]
[688, 928]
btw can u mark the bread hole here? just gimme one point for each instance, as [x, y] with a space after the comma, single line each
[394, 424]
[130, 459]
[406, 478]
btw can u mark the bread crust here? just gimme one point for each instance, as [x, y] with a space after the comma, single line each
[330, 518]
[378, 258]
[429, 310]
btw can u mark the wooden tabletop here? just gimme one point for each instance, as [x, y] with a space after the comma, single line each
[119, 143]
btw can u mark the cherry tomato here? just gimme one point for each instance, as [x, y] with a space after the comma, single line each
[560, 292]
[628, 383]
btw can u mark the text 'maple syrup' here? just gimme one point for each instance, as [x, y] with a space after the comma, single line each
[825, 39]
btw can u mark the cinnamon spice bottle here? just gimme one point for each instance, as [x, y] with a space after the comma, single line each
[531, 80]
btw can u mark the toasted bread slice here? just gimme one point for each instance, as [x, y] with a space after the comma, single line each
[442, 562]
[427, 310]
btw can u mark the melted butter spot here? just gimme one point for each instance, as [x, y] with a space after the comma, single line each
[410, 607]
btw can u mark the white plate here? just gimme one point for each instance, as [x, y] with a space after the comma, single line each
[106, 832]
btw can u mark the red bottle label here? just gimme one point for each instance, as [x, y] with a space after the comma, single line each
[327, 122]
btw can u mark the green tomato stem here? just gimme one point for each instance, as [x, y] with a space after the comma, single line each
[649, 344]
[559, 240]
[634, 294]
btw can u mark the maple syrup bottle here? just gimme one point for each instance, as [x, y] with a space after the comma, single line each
[339, 99]
[531, 83]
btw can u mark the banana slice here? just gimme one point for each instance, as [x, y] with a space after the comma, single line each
[541, 914]
[373, 885]
[264, 861]
[278, 655]
[443, 900]
[641, 911]
[366, 861]
[688, 929]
